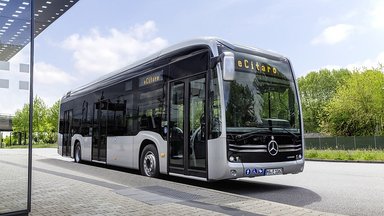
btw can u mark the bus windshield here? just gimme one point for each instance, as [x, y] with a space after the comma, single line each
[262, 95]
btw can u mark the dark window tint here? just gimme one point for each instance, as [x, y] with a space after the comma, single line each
[189, 66]
[151, 108]
[86, 120]
[76, 122]
[131, 114]
[116, 117]
[215, 109]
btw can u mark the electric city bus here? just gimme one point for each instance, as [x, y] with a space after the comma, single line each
[204, 109]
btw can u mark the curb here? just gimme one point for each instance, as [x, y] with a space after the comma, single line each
[345, 161]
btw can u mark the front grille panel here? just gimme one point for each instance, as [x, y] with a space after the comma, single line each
[255, 149]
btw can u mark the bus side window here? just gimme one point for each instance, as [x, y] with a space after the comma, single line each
[84, 116]
[131, 116]
[151, 109]
[116, 117]
[145, 123]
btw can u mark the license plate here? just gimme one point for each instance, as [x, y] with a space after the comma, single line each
[278, 171]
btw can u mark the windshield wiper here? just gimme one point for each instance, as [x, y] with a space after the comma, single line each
[248, 134]
[262, 130]
[290, 132]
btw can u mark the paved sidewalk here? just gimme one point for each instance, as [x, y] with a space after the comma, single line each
[61, 187]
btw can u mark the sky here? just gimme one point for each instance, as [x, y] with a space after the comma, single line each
[96, 37]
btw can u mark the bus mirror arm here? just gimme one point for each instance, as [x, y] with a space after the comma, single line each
[215, 60]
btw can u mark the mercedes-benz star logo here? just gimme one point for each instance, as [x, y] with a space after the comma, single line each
[273, 148]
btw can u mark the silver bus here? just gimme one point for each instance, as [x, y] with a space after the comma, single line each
[204, 109]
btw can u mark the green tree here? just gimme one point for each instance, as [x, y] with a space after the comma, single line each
[357, 108]
[20, 121]
[45, 120]
[53, 117]
[39, 115]
[52, 123]
[316, 90]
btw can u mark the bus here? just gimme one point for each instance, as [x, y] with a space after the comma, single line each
[204, 109]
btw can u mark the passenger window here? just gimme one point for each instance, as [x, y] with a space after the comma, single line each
[151, 109]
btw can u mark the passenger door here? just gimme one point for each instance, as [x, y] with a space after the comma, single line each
[67, 136]
[187, 126]
[99, 134]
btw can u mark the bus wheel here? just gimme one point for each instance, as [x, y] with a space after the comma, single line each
[77, 153]
[149, 161]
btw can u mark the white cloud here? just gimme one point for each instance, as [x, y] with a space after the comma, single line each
[331, 67]
[367, 63]
[51, 83]
[99, 54]
[377, 14]
[46, 74]
[334, 34]
[95, 53]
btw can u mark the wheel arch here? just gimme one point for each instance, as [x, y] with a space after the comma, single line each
[145, 138]
[144, 143]
[147, 145]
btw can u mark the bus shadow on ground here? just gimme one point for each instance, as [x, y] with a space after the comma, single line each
[286, 194]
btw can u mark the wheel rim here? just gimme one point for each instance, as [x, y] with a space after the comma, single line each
[149, 163]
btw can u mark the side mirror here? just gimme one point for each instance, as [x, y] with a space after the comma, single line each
[228, 66]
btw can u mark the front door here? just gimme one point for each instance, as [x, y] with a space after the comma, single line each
[99, 137]
[187, 130]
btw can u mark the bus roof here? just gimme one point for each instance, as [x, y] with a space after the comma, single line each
[209, 42]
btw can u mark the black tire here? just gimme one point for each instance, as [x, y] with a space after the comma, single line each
[77, 153]
[149, 161]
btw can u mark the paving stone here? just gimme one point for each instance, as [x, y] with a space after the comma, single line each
[61, 187]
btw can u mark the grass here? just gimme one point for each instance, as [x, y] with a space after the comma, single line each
[346, 155]
[38, 145]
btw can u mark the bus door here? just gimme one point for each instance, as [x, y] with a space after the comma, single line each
[99, 134]
[187, 123]
[67, 136]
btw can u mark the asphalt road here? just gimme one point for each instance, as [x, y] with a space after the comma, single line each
[343, 188]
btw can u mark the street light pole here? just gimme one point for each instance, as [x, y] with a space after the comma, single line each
[32, 17]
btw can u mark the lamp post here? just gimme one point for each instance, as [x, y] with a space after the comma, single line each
[31, 59]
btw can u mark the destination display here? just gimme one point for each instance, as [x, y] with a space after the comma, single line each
[251, 63]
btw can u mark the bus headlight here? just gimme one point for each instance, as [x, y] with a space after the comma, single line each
[231, 158]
